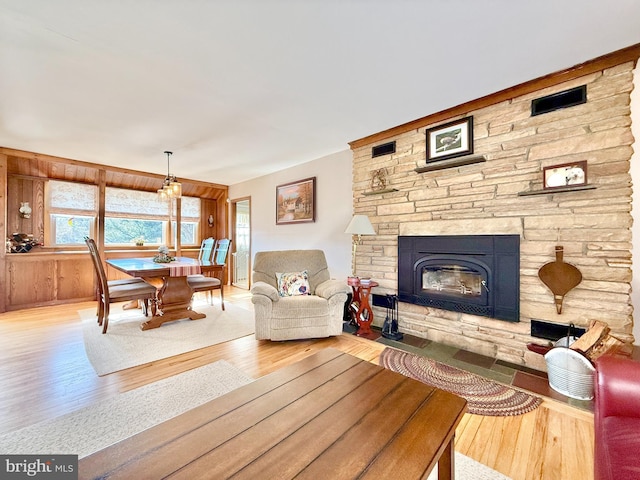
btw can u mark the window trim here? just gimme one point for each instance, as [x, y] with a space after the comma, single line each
[52, 229]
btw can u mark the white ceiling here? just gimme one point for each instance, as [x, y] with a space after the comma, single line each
[242, 88]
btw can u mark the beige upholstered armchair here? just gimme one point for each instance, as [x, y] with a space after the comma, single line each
[294, 296]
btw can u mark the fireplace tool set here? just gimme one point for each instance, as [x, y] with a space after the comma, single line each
[390, 326]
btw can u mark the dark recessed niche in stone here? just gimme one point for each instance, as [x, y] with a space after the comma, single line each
[556, 101]
[554, 331]
[384, 149]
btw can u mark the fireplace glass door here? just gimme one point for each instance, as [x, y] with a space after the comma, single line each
[452, 279]
[455, 279]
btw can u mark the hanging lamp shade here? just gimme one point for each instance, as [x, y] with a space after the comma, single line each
[176, 189]
[171, 188]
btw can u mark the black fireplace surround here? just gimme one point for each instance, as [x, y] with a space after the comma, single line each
[476, 274]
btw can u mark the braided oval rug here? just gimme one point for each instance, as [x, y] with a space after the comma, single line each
[484, 397]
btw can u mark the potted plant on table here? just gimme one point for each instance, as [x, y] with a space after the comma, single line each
[163, 255]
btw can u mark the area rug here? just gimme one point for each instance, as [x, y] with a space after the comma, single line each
[484, 397]
[466, 468]
[95, 427]
[125, 345]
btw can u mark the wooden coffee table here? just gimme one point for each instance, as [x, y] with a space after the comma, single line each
[330, 415]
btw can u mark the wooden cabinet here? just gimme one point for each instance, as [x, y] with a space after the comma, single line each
[36, 279]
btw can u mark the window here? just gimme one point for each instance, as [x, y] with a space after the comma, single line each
[72, 211]
[71, 229]
[120, 231]
[129, 215]
[190, 221]
[188, 233]
[132, 215]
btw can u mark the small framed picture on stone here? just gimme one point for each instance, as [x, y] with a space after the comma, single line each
[565, 175]
[453, 139]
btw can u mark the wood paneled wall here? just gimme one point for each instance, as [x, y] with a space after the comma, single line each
[47, 276]
[3, 227]
[19, 190]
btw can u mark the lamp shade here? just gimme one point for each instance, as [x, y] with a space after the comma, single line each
[360, 225]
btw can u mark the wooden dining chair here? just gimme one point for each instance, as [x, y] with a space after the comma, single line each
[117, 290]
[206, 248]
[202, 283]
[122, 281]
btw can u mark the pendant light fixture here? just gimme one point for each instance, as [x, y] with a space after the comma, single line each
[171, 188]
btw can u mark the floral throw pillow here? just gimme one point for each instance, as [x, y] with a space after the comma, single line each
[293, 283]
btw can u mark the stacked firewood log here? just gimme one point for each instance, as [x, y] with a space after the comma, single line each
[598, 341]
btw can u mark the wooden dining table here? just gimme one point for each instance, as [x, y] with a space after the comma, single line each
[329, 415]
[173, 300]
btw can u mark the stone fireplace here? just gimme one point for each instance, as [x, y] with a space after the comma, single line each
[502, 194]
[476, 274]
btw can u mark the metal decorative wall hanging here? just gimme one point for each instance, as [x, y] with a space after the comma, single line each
[560, 277]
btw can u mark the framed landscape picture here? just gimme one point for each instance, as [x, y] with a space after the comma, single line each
[296, 202]
[453, 139]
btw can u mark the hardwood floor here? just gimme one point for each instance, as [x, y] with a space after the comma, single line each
[44, 372]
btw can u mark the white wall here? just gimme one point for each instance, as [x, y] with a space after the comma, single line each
[635, 178]
[334, 206]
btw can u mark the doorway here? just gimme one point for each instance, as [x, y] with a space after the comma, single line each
[241, 236]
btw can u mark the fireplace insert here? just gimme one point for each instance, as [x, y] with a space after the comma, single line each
[476, 274]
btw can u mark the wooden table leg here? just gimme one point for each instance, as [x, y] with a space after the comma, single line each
[174, 303]
[446, 467]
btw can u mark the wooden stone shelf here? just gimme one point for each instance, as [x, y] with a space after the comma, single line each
[450, 163]
[376, 192]
[548, 191]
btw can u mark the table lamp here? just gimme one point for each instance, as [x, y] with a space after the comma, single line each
[358, 226]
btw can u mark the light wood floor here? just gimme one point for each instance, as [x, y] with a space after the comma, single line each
[44, 372]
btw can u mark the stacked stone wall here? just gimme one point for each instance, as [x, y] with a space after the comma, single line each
[593, 226]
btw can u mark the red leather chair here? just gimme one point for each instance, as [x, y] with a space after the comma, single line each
[617, 419]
